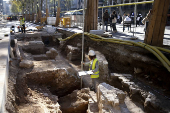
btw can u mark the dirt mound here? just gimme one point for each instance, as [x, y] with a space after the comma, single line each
[76, 102]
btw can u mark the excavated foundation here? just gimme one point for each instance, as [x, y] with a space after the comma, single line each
[45, 78]
[60, 78]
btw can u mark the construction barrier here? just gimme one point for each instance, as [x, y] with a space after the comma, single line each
[44, 19]
[66, 21]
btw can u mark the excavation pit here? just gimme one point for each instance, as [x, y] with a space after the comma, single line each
[53, 82]
[60, 78]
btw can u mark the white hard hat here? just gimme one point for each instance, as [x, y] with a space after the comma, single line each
[91, 53]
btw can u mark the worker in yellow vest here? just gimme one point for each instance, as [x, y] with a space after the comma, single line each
[94, 67]
[22, 23]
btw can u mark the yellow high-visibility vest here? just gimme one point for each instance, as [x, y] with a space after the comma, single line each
[96, 74]
[22, 21]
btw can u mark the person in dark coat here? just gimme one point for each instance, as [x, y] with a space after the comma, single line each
[106, 19]
[114, 20]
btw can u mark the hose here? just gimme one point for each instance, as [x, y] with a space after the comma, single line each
[154, 50]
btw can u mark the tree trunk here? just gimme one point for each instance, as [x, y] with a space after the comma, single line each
[29, 7]
[26, 12]
[91, 16]
[54, 9]
[120, 9]
[37, 11]
[39, 14]
[47, 15]
[58, 14]
[155, 30]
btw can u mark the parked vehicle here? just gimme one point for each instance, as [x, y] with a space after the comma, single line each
[10, 18]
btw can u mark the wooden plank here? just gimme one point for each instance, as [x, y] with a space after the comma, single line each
[156, 29]
[162, 27]
[150, 29]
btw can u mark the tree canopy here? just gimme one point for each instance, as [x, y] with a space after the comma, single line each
[15, 7]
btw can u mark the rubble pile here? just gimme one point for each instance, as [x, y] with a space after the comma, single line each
[42, 101]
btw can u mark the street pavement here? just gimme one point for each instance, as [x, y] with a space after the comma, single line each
[126, 35]
[137, 32]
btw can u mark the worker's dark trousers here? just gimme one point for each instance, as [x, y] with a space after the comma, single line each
[23, 28]
[94, 83]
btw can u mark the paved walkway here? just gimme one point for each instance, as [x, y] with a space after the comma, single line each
[126, 35]
[139, 33]
[4, 58]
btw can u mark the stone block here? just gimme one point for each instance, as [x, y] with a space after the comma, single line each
[26, 64]
[73, 53]
[93, 105]
[36, 43]
[133, 90]
[137, 70]
[52, 53]
[109, 98]
[33, 47]
[40, 57]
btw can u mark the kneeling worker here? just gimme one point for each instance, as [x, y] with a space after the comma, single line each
[94, 67]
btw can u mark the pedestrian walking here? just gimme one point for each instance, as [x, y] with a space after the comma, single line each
[138, 20]
[119, 19]
[94, 67]
[106, 19]
[114, 20]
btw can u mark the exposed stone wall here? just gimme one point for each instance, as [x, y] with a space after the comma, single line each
[152, 100]
[33, 47]
[61, 81]
[109, 98]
